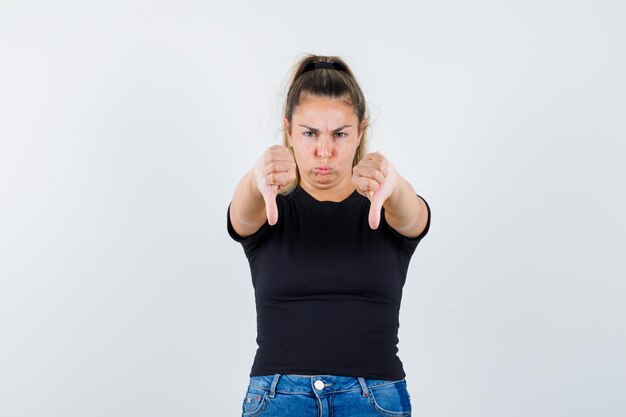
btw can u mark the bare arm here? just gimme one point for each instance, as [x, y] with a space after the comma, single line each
[405, 211]
[247, 210]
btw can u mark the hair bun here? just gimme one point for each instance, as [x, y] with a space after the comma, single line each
[318, 64]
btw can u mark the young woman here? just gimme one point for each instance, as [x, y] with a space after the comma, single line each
[328, 231]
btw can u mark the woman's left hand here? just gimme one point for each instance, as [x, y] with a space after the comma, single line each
[375, 178]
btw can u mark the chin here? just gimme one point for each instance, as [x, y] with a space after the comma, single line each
[322, 180]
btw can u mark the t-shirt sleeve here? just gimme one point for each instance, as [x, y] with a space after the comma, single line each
[248, 242]
[408, 244]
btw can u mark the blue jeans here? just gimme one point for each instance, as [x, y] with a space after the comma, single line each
[289, 395]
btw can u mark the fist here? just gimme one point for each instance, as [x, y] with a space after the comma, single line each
[274, 171]
[375, 178]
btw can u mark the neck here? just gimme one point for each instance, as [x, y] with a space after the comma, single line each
[335, 194]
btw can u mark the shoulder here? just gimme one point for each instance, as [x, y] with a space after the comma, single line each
[405, 243]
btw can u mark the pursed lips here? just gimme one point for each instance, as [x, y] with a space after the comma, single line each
[323, 170]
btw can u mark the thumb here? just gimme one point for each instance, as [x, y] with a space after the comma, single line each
[271, 210]
[376, 205]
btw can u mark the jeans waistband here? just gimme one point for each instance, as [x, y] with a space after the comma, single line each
[302, 384]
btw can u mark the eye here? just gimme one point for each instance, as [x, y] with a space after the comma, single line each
[342, 133]
[306, 134]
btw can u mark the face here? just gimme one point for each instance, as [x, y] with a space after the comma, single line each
[324, 135]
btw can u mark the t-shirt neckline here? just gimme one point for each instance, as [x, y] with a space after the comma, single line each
[309, 198]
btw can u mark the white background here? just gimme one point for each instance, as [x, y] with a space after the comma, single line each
[125, 126]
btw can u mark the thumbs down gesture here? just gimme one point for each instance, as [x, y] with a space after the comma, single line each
[375, 177]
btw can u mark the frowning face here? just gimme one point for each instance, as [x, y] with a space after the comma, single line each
[324, 136]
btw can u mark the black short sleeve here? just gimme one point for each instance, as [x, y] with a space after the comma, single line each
[408, 244]
[248, 242]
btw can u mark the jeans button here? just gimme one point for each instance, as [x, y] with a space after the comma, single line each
[318, 384]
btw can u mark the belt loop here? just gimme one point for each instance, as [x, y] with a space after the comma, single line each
[273, 386]
[366, 391]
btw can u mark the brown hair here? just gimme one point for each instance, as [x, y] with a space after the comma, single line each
[330, 83]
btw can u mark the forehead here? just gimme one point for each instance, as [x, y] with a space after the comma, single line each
[323, 110]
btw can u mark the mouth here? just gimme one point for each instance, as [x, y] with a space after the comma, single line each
[323, 170]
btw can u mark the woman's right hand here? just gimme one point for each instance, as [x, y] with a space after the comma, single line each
[274, 171]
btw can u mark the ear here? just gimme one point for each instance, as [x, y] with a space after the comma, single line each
[362, 129]
[288, 130]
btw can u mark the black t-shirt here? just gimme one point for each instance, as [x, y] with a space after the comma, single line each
[327, 289]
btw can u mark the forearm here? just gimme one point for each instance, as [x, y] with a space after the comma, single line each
[405, 211]
[247, 209]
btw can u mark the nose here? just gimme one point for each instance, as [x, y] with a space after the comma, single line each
[324, 148]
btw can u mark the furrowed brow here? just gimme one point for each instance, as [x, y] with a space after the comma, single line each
[317, 130]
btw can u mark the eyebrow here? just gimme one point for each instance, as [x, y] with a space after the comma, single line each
[317, 130]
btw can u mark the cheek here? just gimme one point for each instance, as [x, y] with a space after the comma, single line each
[302, 155]
[348, 150]
[305, 150]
